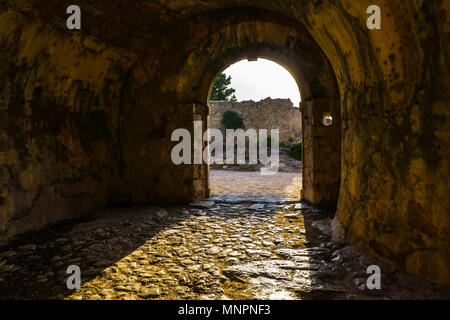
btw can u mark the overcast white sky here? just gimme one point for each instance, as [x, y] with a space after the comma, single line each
[260, 79]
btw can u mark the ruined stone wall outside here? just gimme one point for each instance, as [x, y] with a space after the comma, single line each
[266, 114]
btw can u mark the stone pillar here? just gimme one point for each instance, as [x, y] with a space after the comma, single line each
[190, 181]
[201, 188]
[149, 175]
[321, 151]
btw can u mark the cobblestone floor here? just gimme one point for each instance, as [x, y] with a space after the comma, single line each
[226, 248]
[253, 184]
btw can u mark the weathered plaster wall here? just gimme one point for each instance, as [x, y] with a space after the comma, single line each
[59, 109]
[265, 114]
[321, 153]
[137, 64]
[394, 92]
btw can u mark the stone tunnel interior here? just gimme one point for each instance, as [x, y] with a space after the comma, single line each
[86, 118]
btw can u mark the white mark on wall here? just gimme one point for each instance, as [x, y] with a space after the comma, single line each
[74, 280]
[74, 20]
[374, 21]
[374, 281]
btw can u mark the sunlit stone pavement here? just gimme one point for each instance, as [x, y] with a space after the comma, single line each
[226, 248]
[253, 184]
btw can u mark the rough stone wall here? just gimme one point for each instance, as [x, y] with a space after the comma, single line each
[59, 111]
[265, 114]
[321, 153]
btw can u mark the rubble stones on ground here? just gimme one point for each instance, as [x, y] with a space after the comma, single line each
[245, 249]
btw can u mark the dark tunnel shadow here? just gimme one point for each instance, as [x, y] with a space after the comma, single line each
[39, 275]
[30, 267]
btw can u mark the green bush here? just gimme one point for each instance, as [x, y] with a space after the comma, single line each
[284, 145]
[296, 150]
[271, 140]
[232, 120]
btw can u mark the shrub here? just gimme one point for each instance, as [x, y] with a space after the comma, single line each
[232, 120]
[271, 141]
[296, 150]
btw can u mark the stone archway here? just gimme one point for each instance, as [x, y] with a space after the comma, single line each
[298, 53]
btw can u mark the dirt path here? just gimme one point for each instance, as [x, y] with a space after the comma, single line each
[253, 184]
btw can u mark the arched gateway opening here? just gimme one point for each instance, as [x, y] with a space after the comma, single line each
[294, 49]
[261, 98]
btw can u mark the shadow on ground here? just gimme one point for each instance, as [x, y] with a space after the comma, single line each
[224, 248]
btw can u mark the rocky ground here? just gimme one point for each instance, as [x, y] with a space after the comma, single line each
[226, 248]
[253, 184]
